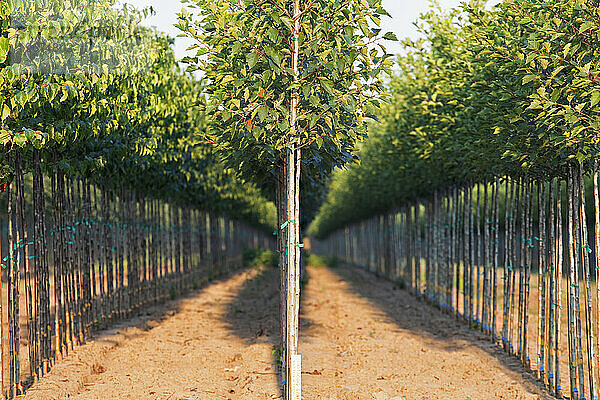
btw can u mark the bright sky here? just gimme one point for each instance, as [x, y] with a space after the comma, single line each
[403, 12]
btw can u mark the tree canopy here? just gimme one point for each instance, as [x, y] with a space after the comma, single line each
[511, 91]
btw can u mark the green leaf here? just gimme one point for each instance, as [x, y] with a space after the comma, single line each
[390, 36]
[529, 78]
[22, 98]
[585, 70]
[313, 120]
[558, 70]
[585, 26]
[289, 23]
[251, 59]
[256, 132]
[273, 34]
[5, 112]
[328, 86]
[595, 98]
[275, 56]
[382, 11]
[263, 112]
[4, 47]
[19, 139]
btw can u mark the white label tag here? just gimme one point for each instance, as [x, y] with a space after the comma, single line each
[296, 377]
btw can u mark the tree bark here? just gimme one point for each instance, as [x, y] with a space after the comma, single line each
[291, 264]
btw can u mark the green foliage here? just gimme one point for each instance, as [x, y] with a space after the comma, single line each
[318, 261]
[509, 92]
[259, 258]
[60, 61]
[244, 50]
[104, 98]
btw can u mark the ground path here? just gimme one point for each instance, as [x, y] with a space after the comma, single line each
[362, 338]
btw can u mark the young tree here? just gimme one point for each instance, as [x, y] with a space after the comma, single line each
[291, 85]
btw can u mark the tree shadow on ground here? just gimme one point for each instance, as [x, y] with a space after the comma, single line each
[254, 313]
[439, 328]
[152, 314]
[149, 316]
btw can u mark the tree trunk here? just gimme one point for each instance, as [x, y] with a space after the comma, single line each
[292, 277]
[292, 246]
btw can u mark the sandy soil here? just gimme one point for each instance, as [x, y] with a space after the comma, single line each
[362, 338]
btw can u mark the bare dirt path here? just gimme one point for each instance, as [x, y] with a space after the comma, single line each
[215, 344]
[370, 340]
[362, 338]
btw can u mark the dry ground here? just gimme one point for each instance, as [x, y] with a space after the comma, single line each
[361, 338]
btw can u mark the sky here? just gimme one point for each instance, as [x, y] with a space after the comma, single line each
[403, 12]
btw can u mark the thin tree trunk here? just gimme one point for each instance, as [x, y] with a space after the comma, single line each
[572, 283]
[552, 295]
[577, 245]
[521, 263]
[597, 254]
[486, 266]
[507, 266]
[541, 281]
[558, 291]
[589, 323]
[513, 263]
[478, 260]
[496, 244]
[292, 251]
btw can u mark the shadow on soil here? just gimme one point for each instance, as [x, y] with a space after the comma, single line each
[149, 316]
[439, 328]
[254, 313]
[152, 314]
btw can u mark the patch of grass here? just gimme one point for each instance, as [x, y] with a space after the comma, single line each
[259, 257]
[317, 261]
